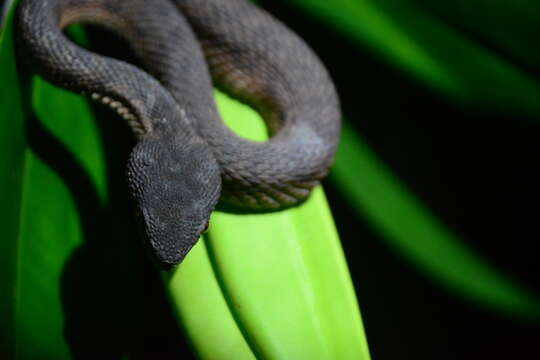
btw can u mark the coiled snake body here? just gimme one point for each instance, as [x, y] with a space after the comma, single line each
[185, 157]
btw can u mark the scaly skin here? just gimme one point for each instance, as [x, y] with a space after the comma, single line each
[185, 153]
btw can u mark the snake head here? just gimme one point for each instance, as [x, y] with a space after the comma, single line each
[176, 185]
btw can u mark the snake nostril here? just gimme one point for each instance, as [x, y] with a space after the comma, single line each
[205, 230]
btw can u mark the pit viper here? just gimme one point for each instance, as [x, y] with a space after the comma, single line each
[185, 158]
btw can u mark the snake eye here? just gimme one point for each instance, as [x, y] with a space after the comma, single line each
[205, 230]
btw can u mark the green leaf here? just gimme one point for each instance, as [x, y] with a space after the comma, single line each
[282, 276]
[39, 218]
[417, 235]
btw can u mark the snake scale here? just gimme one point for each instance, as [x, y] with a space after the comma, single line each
[186, 158]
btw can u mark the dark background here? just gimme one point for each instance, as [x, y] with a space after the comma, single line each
[474, 168]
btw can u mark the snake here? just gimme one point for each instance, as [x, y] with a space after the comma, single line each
[185, 158]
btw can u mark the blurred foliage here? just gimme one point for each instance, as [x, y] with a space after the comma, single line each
[425, 47]
[415, 41]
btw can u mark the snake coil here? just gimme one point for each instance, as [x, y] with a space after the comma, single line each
[186, 159]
